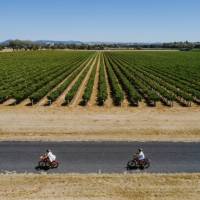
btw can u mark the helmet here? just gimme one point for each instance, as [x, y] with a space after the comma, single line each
[48, 150]
[140, 149]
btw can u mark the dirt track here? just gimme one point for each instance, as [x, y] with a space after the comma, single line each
[83, 123]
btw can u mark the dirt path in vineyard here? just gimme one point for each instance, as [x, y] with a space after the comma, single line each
[78, 97]
[109, 101]
[93, 99]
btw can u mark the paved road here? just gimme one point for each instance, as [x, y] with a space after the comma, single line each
[107, 157]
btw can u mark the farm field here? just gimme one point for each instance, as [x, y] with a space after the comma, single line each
[102, 95]
[100, 79]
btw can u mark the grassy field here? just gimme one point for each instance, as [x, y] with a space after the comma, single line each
[100, 187]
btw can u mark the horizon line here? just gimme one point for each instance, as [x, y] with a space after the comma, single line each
[112, 42]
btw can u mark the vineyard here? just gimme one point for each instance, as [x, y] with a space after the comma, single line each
[85, 78]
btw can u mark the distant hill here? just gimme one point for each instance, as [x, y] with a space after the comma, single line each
[58, 42]
[79, 42]
[6, 42]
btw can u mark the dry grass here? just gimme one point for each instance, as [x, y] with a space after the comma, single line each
[117, 135]
[63, 123]
[100, 187]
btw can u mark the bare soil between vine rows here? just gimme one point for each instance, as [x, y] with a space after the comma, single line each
[95, 123]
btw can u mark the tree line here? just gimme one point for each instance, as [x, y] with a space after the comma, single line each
[30, 45]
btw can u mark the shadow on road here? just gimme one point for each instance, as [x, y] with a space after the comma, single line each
[40, 168]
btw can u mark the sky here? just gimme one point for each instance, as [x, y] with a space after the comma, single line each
[100, 20]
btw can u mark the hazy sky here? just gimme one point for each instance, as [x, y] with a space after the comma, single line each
[101, 20]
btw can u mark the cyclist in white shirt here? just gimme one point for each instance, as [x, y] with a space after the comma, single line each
[140, 154]
[50, 155]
